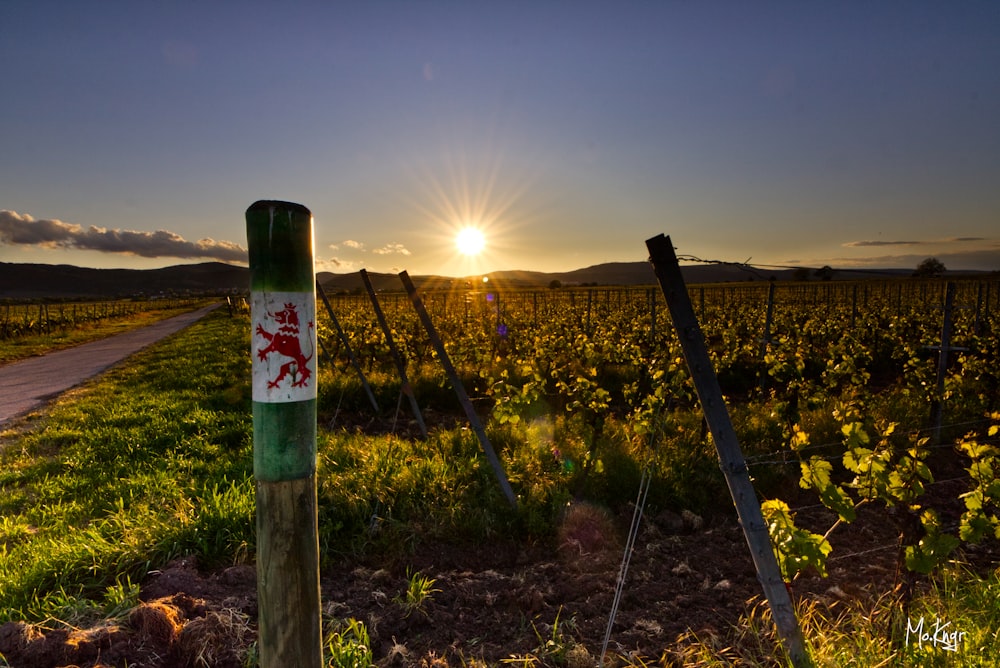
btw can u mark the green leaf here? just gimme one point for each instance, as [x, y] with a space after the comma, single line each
[858, 460]
[933, 548]
[800, 439]
[796, 549]
[855, 435]
[816, 476]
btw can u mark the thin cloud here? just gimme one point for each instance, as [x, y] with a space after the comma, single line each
[949, 240]
[862, 244]
[351, 243]
[23, 230]
[390, 249]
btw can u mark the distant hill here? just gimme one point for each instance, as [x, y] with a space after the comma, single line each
[610, 273]
[63, 281]
[47, 281]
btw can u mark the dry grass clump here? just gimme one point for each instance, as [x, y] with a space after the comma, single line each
[216, 639]
[85, 645]
[157, 623]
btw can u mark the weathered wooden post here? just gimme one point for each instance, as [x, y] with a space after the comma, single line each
[456, 385]
[937, 405]
[283, 317]
[397, 356]
[765, 340]
[734, 467]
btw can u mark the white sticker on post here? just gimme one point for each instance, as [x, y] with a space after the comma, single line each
[283, 346]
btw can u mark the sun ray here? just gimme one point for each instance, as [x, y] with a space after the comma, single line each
[460, 190]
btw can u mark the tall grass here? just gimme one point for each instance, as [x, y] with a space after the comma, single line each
[962, 606]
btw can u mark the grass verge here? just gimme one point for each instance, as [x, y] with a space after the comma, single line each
[149, 462]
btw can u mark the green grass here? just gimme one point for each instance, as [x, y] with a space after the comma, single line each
[148, 463]
[154, 461]
[346, 644]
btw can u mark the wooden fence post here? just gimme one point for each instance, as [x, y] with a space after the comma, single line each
[945, 349]
[979, 308]
[854, 304]
[456, 385]
[731, 459]
[397, 357]
[283, 318]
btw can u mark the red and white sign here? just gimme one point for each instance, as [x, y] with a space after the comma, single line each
[283, 346]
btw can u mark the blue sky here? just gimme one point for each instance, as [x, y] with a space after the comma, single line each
[136, 134]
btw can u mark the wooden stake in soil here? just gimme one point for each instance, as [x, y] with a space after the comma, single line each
[668, 273]
[456, 385]
[937, 406]
[397, 357]
[283, 321]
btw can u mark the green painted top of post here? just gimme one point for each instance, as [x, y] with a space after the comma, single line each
[280, 241]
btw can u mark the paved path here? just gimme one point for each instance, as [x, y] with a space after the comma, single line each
[29, 384]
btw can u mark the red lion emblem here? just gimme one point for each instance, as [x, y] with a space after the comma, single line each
[286, 343]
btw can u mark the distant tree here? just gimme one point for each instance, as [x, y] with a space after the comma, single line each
[800, 274]
[555, 283]
[930, 268]
[825, 273]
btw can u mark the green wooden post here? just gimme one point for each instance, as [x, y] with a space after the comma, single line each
[283, 335]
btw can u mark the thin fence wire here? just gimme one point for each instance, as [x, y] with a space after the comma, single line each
[861, 553]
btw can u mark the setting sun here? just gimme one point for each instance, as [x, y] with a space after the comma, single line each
[470, 241]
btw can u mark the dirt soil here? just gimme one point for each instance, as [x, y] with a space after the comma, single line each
[490, 602]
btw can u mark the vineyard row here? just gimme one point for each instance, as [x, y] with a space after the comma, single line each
[18, 320]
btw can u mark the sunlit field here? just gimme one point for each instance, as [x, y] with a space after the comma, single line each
[585, 395]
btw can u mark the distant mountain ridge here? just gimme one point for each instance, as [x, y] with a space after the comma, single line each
[47, 281]
[64, 281]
